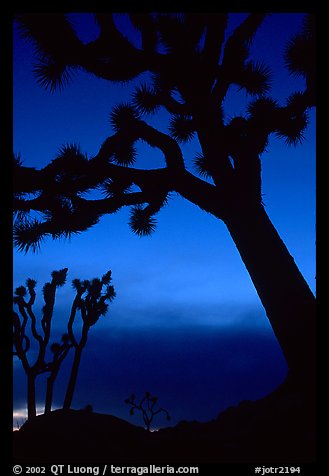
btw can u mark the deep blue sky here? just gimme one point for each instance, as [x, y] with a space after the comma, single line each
[187, 323]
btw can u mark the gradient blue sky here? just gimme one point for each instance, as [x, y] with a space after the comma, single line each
[187, 323]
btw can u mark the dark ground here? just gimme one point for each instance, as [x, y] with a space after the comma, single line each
[278, 429]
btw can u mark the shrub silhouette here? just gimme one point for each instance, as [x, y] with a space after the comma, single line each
[147, 407]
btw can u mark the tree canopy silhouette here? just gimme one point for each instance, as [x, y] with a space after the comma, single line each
[191, 64]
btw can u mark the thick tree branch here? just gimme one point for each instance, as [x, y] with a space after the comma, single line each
[65, 208]
[215, 29]
[206, 196]
[173, 106]
[236, 52]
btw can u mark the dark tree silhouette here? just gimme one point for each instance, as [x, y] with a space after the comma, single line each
[148, 407]
[60, 351]
[191, 65]
[22, 337]
[90, 300]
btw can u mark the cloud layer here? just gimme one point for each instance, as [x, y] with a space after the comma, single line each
[195, 371]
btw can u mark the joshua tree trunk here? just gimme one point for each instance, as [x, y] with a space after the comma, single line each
[49, 394]
[75, 367]
[287, 299]
[73, 378]
[31, 395]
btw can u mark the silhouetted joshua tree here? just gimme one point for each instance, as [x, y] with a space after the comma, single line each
[191, 65]
[91, 300]
[22, 336]
[147, 406]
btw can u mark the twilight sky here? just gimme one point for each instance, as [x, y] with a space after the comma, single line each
[187, 323]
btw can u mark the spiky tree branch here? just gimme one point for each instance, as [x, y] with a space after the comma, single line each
[56, 191]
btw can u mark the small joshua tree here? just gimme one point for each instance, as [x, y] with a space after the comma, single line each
[91, 300]
[147, 407]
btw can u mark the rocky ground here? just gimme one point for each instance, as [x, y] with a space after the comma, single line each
[278, 429]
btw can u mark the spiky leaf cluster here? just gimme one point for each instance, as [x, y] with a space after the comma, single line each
[70, 152]
[123, 117]
[55, 52]
[52, 75]
[202, 166]
[20, 291]
[113, 188]
[107, 277]
[146, 99]
[124, 153]
[141, 221]
[255, 78]
[79, 286]
[299, 55]
[68, 169]
[93, 296]
[41, 29]
[31, 284]
[295, 103]
[180, 33]
[293, 120]
[28, 234]
[263, 111]
[182, 128]
[67, 216]
[292, 128]
[59, 277]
